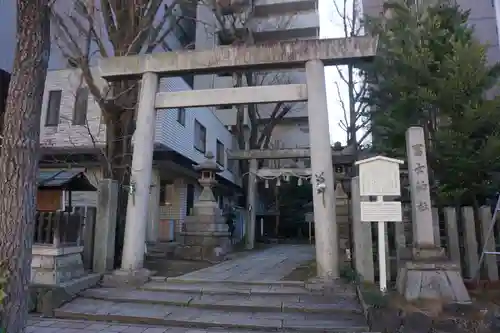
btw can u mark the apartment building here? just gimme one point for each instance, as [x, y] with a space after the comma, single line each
[73, 136]
[262, 21]
[483, 17]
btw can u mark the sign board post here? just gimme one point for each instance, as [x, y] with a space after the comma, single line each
[379, 176]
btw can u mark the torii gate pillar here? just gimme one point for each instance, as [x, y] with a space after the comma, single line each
[325, 224]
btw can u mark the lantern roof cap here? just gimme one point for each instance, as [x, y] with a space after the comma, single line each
[209, 164]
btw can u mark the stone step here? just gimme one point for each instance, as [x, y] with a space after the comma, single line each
[182, 279]
[214, 287]
[162, 247]
[156, 255]
[221, 288]
[240, 303]
[158, 314]
[46, 325]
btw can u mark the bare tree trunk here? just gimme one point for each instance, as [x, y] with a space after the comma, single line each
[352, 108]
[121, 126]
[19, 162]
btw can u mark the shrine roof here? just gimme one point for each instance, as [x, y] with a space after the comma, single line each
[69, 180]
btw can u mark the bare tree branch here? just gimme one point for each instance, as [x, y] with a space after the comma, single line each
[353, 108]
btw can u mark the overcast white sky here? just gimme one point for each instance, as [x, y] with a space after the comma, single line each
[331, 27]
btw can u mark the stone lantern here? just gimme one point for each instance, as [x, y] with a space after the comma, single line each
[206, 235]
[208, 170]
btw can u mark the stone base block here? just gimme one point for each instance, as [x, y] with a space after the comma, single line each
[45, 299]
[204, 247]
[121, 278]
[212, 254]
[206, 238]
[430, 253]
[53, 266]
[432, 279]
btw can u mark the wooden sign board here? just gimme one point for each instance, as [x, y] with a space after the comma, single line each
[379, 176]
[380, 211]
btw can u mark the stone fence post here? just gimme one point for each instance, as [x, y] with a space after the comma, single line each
[105, 226]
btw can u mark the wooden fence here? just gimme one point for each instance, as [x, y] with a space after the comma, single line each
[460, 231]
[58, 228]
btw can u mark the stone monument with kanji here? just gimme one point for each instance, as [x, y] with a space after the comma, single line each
[429, 274]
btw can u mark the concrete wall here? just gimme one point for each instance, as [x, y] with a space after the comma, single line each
[298, 109]
[292, 134]
[483, 19]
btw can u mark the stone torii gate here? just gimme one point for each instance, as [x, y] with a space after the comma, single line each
[311, 54]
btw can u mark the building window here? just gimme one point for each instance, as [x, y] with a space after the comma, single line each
[181, 116]
[81, 105]
[163, 193]
[53, 108]
[221, 152]
[200, 137]
[231, 164]
[189, 199]
[307, 163]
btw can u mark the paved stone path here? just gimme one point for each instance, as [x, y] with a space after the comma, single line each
[270, 264]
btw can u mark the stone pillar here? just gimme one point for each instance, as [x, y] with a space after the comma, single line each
[362, 236]
[325, 225]
[251, 205]
[88, 238]
[105, 226]
[154, 208]
[142, 164]
[422, 222]
[429, 274]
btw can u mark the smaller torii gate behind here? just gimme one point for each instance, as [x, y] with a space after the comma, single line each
[311, 54]
[345, 155]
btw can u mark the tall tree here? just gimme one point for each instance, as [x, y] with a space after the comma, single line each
[19, 162]
[431, 72]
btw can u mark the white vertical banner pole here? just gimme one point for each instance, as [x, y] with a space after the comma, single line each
[382, 260]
